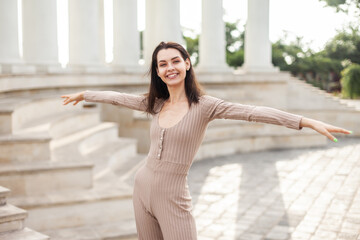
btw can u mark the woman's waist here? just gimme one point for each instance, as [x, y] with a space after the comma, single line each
[167, 166]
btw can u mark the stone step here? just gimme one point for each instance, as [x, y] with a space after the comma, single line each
[17, 112]
[124, 230]
[80, 143]
[66, 209]
[112, 156]
[318, 99]
[4, 193]
[230, 145]
[39, 178]
[125, 172]
[63, 124]
[11, 218]
[23, 234]
[24, 148]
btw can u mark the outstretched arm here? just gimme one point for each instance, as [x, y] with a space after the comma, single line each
[135, 102]
[323, 128]
[216, 108]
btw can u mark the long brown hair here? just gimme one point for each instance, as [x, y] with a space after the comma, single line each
[158, 88]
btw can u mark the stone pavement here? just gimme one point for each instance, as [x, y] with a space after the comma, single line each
[301, 194]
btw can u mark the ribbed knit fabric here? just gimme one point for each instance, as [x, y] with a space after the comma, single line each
[161, 197]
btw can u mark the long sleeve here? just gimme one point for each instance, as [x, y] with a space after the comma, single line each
[131, 101]
[214, 108]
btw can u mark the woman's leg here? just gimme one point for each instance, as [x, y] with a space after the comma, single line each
[147, 226]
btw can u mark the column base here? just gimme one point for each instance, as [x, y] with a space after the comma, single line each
[257, 69]
[213, 69]
[94, 68]
[128, 69]
[17, 68]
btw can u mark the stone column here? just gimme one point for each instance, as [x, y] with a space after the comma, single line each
[162, 24]
[40, 43]
[257, 42]
[86, 36]
[126, 36]
[212, 52]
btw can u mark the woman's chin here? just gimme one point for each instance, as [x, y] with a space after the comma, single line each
[174, 83]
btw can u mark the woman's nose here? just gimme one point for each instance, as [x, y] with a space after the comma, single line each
[170, 66]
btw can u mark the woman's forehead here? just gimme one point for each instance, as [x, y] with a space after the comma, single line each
[168, 54]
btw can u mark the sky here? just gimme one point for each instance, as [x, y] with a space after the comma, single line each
[306, 18]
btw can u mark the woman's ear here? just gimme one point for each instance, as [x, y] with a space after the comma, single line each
[187, 64]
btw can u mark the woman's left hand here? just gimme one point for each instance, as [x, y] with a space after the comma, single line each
[323, 128]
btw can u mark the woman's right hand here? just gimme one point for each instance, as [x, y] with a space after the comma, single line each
[75, 97]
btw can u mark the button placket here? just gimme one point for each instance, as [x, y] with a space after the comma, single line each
[161, 143]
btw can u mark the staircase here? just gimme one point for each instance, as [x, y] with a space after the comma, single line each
[67, 168]
[307, 100]
[12, 221]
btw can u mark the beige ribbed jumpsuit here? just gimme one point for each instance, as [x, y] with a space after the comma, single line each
[162, 201]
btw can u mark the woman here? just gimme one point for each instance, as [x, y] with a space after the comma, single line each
[181, 112]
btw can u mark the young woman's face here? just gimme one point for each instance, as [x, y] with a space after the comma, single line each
[171, 67]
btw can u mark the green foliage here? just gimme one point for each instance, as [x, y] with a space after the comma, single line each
[342, 5]
[234, 44]
[350, 81]
[345, 45]
[192, 46]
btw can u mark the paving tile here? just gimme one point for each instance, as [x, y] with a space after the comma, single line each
[300, 194]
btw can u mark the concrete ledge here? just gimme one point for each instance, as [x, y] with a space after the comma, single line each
[124, 230]
[78, 208]
[11, 218]
[4, 193]
[22, 148]
[24, 234]
[43, 177]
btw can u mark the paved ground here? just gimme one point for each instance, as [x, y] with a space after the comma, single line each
[306, 194]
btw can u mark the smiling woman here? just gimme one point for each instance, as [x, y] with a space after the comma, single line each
[181, 113]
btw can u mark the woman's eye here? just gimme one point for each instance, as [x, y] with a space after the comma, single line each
[162, 65]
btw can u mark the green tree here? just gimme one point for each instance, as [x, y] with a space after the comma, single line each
[234, 44]
[192, 46]
[351, 81]
[342, 5]
[345, 45]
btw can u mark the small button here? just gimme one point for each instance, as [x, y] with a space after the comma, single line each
[161, 138]
[159, 155]
[160, 147]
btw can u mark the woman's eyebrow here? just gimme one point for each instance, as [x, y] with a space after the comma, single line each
[171, 59]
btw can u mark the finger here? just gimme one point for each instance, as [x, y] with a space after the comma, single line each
[64, 96]
[331, 137]
[339, 130]
[76, 103]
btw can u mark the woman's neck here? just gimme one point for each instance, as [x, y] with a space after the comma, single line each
[177, 94]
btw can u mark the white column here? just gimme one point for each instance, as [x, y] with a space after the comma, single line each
[212, 52]
[86, 36]
[10, 61]
[257, 42]
[162, 24]
[9, 41]
[126, 36]
[40, 43]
